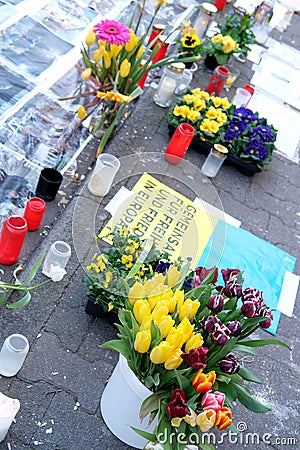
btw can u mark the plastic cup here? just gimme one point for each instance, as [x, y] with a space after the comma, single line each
[234, 73]
[104, 173]
[241, 98]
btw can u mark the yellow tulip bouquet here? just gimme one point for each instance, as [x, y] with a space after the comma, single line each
[182, 338]
[115, 59]
[208, 114]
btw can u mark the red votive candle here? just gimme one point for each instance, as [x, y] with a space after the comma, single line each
[179, 143]
[34, 212]
[158, 28]
[220, 4]
[11, 239]
[217, 80]
[161, 41]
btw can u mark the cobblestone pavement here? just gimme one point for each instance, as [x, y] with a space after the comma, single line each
[63, 377]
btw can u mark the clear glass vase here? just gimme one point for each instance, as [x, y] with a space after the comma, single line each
[102, 119]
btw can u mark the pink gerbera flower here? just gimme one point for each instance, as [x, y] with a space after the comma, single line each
[112, 32]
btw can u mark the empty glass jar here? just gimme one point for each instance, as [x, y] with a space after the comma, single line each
[57, 257]
[13, 354]
[214, 161]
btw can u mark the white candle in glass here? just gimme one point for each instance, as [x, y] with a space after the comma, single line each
[166, 90]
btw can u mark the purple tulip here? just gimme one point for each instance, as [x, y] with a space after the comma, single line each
[220, 334]
[230, 364]
[233, 289]
[216, 303]
[265, 312]
[235, 328]
[249, 309]
[229, 274]
[195, 358]
[252, 294]
[210, 323]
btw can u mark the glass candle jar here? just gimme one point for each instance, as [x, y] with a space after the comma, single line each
[34, 212]
[204, 18]
[242, 97]
[104, 173]
[13, 354]
[214, 160]
[168, 83]
[163, 48]
[11, 239]
[57, 257]
[220, 4]
[179, 143]
[217, 80]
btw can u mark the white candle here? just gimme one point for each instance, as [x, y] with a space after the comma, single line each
[166, 90]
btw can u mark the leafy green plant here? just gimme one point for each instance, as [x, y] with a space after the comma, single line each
[239, 26]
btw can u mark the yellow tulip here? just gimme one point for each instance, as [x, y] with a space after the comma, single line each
[98, 54]
[159, 310]
[165, 324]
[179, 296]
[154, 297]
[140, 52]
[188, 309]
[90, 37]
[115, 50]
[136, 292]
[131, 44]
[141, 309]
[161, 352]
[195, 341]
[206, 420]
[146, 323]
[82, 114]
[172, 276]
[107, 60]
[174, 360]
[142, 341]
[175, 338]
[186, 328]
[191, 418]
[86, 74]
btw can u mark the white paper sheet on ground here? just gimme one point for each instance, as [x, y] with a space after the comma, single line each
[283, 118]
[123, 196]
[217, 212]
[288, 293]
[249, 6]
[212, 29]
[256, 53]
[119, 200]
[288, 54]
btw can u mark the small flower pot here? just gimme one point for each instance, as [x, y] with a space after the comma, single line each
[96, 310]
[211, 62]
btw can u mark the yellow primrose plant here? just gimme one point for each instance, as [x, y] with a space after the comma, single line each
[207, 114]
[221, 47]
[182, 338]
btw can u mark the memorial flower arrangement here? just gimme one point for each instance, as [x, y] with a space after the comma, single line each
[207, 114]
[115, 59]
[250, 137]
[184, 343]
[127, 259]
[238, 24]
[189, 44]
[221, 47]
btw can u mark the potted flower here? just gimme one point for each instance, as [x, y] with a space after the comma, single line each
[207, 114]
[183, 345]
[111, 274]
[189, 44]
[238, 24]
[250, 139]
[219, 49]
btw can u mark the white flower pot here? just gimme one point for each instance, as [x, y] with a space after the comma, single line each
[8, 409]
[120, 405]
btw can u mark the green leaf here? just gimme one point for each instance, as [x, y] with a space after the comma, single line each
[3, 297]
[19, 304]
[248, 376]
[228, 390]
[119, 346]
[262, 342]
[150, 404]
[206, 446]
[35, 267]
[249, 402]
[244, 348]
[149, 436]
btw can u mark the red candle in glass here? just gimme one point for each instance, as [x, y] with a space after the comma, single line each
[217, 80]
[179, 143]
[34, 212]
[158, 28]
[249, 89]
[11, 239]
[161, 41]
[220, 4]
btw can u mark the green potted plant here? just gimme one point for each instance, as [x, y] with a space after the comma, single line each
[218, 50]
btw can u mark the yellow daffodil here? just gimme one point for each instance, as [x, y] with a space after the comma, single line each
[114, 96]
[161, 2]
[189, 98]
[82, 112]
[125, 68]
[132, 43]
[206, 420]
[225, 103]
[90, 38]
[141, 309]
[195, 341]
[161, 352]
[211, 113]
[174, 360]
[86, 74]
[115, 50]
[142, 341]
[217, 101]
